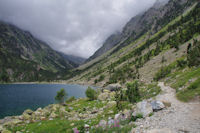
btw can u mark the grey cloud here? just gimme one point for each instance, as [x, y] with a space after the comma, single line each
[77, 27]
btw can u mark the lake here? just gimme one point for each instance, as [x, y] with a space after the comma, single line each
[15, 98]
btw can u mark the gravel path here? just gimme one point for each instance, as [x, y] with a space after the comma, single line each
[179, 118]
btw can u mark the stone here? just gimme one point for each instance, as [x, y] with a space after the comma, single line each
[157, 105]
[63, 111]
[143, 108]
[103, 96]
[110, 121]
[102, 124]
[127, 113]
[1, 128]
[6, 131]
[43, 118]
[113, 87]
[72, 124]
[160, 131]
[86, 126]
[28, 111]
[53, 115]
[167, 104]
[12, 122]
[26, 116]
[18, 132]
[117, 116]
[111, 104]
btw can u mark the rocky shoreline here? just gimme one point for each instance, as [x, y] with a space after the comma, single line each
[148, 116]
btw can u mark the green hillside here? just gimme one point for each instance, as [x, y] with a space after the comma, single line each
[25, 58]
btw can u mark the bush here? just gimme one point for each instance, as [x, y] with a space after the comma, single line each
[138, 116]
[163, 72]
[61, 96]
[193, 56]
[181, 63]
[133, 92]
[91, 93]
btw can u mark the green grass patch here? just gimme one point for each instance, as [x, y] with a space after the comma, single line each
[190, 92]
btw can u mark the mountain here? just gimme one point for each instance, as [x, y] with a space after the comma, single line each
[152, 20]
[25, 58]
[149, 41]
[75, 60]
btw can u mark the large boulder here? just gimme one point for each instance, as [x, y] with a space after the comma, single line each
[113, 87]
[157, 105]
[28, 111]
[143, 108]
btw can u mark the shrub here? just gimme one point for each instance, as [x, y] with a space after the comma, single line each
[193, 56]
[61, 96]
[91, 93]
[138, 116]
[181, 63]
[133, 92]
[163, 72]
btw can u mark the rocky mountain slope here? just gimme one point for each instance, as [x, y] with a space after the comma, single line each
[150, 21]
[165, 38]
[25, 58]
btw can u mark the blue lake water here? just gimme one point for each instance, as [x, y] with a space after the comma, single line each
[15, 98]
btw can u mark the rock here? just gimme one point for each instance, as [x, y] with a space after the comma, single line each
[53, 115]
[127, 113]
[12, 122]
[157, 105]
[106, 91]
[113, 87]
[63, 111]
[18, 132]
[120, 117]
[6, 131]
[117, 116]
[110, 112]
[104, 96]
[72, 124]
[143, 108]
[86, 126]
[110, 121]
[26, 116]
[160, 131]
[28, 111]
[43, 118]
[111, 104]
[103, 124]
[167, 104]
[1, 128]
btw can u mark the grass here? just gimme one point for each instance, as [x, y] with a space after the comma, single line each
[149, 91]
[190, 92]
[182, 79]
[54, 126]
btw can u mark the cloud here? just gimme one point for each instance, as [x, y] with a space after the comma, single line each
[77, 27]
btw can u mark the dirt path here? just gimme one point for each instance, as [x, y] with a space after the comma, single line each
[179, 118]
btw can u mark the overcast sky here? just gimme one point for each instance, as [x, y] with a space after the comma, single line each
[77, 27]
